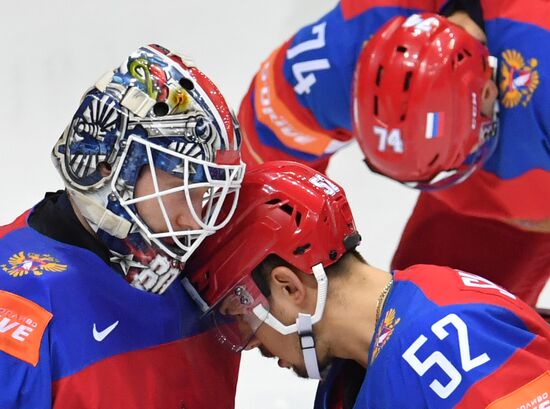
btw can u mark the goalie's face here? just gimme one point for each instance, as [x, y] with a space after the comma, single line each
[171, 211]
[173, 199]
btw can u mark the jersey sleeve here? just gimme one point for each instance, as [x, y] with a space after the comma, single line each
[24, 353]
[298, 106]
[465, 356]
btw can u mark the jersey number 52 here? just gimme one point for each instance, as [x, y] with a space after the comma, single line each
[437, 358]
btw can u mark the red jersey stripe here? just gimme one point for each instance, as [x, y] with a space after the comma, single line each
[352, 8]
[21, 221]
[528, 11]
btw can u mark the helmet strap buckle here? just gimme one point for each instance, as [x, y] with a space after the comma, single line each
[307, 344]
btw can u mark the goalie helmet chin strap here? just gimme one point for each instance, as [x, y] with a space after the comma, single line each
[98, 216]
[307, 343]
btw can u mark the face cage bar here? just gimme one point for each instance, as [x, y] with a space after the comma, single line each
[218, 190]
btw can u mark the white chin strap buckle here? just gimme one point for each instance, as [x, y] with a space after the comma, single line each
[307, 343]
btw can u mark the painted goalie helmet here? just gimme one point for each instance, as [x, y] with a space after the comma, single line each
[157, 113]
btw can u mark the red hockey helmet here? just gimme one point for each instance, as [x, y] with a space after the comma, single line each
[286, 209]
[417, 99]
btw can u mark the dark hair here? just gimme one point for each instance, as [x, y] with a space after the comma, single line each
[470, 7]
[262, 273]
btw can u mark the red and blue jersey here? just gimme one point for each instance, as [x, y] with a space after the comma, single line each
[514, 184]
[299, 104]
[450, 339]
[75, 334]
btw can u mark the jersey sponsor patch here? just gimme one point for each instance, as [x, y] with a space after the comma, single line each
[22, 325]
[534, 395]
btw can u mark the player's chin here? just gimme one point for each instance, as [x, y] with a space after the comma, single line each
[301, 371]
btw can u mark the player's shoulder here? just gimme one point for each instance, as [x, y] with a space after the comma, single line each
[353, 8]
[428, 297]
[446, 297]
[455, 342]
[446, 286]
[31, 264]
[531, 14]
[25, 308]
[24, 251]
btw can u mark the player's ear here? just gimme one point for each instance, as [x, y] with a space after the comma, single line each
[287, 286]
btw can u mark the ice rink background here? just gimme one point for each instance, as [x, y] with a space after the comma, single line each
[53, 51]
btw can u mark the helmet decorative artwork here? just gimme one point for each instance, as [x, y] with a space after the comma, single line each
[157, 111]
[417, 102]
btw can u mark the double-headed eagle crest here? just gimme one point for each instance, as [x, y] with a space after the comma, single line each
[519, 79]
[21, 264]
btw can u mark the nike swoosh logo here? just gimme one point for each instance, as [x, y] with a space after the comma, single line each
[101, 335]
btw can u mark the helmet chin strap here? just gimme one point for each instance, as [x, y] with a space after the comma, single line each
[304, 323]
[307, 343]
[97, 215]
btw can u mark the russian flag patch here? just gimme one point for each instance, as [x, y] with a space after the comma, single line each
[434, 124]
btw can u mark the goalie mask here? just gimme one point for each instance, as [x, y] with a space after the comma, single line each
[155, 114]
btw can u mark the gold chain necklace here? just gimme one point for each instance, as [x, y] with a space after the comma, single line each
[382, 299]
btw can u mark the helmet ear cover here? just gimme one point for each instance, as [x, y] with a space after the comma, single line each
[153, 112]
[417, 102]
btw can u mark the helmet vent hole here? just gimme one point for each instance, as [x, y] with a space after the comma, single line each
[401, 49]
[187, 84]
[298, 218]
[301, 249]
[459, 58]
[161, 109]
[287, 209]
[403, 117]
[407, 82]
[376, 105]
[433, 160]
[379, 75]
[104, 168]
[273, 201]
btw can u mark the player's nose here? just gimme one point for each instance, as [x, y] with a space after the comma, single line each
[185, 221]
